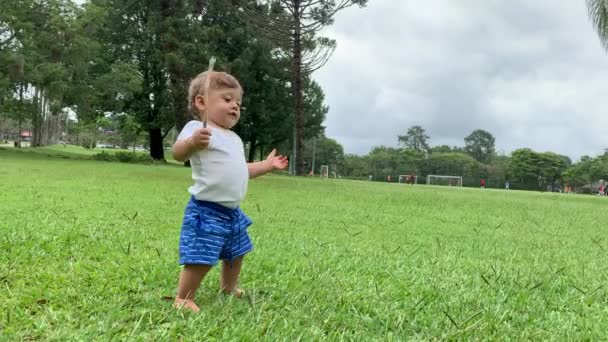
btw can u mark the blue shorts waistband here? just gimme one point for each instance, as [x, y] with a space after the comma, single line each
[215, 206]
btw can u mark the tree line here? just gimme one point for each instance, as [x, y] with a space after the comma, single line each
[75, 69]
[476, 159]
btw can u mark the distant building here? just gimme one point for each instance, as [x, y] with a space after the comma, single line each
[26, 135]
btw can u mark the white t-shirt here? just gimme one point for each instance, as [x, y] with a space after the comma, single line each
[220, 171]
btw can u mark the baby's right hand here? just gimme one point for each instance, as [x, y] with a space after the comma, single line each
[200, 138]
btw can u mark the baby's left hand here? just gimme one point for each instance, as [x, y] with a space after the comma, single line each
[276, 162]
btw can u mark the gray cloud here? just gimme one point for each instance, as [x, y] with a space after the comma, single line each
[532, 73]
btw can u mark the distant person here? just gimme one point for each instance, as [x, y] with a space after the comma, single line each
[482, 183]
[409, 179]
[507, 185]
[214, 226]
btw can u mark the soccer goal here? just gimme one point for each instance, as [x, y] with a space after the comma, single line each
[409, 179]
[444, 180]
[324, 171]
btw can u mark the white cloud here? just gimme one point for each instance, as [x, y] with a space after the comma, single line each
[532, 73]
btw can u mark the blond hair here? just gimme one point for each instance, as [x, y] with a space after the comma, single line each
[219, 80]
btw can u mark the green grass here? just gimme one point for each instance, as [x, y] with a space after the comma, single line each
[79, 152]
[88, 250]
[74, 150]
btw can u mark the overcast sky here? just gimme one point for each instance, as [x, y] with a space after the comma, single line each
[532, 73]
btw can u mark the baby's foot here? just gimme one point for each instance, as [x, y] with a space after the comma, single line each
[187, 304]
[238, 293]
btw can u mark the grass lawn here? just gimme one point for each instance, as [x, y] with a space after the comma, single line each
[79, 152]
[88, 250]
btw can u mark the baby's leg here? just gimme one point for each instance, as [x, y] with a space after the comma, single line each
[230, 276]
[189, 281]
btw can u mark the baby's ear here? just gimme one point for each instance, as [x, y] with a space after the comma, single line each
[200, 102]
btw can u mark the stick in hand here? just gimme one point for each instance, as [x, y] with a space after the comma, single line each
[207, 82]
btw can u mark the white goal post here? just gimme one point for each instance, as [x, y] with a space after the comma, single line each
[404, 178]
[324, 171]
[444, 180]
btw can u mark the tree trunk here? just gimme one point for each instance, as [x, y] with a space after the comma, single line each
[44, 133]
[296, 86]
[252, 147]
[3, 131]
[44, 136]
[94, 138]
[156, 144]
[48, 136]
[40, 130]
[21, 114]
[35, 121]
[20, 120]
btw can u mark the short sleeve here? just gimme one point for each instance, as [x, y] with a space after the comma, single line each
[188, 130]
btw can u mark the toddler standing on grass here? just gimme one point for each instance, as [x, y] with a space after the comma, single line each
[214, 227]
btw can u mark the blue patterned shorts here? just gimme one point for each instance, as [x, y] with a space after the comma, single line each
[211, 232]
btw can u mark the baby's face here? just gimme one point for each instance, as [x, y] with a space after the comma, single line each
[224, 107]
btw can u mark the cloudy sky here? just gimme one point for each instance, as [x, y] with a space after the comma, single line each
[532, 73]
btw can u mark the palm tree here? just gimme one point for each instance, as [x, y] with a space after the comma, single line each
[598, 12]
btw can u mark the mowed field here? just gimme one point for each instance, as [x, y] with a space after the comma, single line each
[89, 250]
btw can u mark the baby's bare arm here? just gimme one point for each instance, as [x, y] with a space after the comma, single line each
[259, 168]
[272, 162]
[182, 149]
